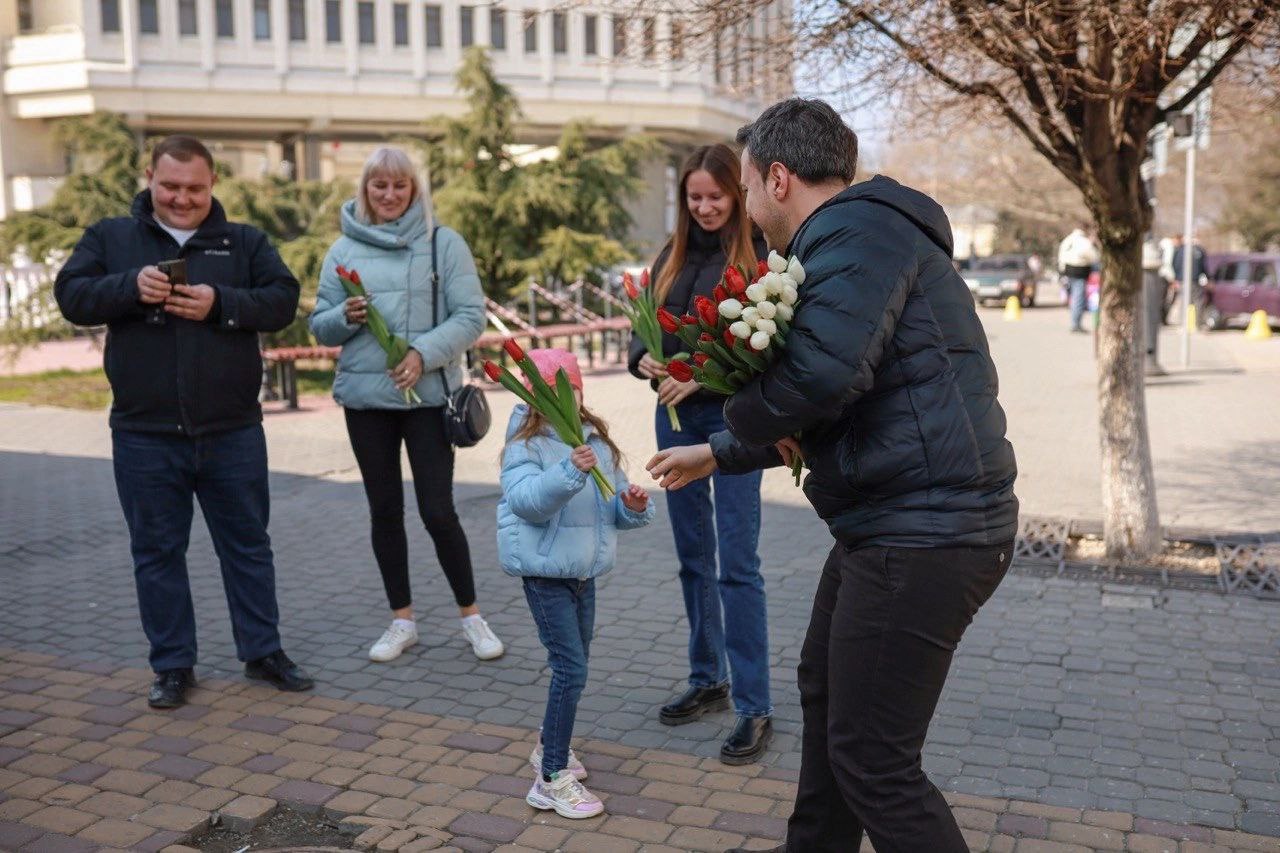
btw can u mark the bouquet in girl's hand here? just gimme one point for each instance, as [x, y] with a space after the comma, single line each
[736, 335]
[643, 314]
[392, 344]
[558, 405]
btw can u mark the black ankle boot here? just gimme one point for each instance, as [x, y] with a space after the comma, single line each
[748, 741]
[693, 703]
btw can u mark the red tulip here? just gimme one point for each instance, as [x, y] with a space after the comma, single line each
[629, 284]
[668, 321]
[719, 294]
[734, 281]
[707, 311]
[689, 320]
[513, 349]
[492, 371]
[729, 339]
[679, 371]
[705, 337]
[342, 271]
[355, 278]
[701, 359]
[644, 279]
[762, 269]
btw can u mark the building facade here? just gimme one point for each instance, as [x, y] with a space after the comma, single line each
[307, 87]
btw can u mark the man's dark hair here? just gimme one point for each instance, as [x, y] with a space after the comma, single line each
[806, 136]
[182, 148]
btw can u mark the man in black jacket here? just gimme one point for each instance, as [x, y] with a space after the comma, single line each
[888, 382]
[185, 369]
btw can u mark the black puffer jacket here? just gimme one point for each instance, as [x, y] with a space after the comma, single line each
[180, 377]
[888, 378]
[705, 260]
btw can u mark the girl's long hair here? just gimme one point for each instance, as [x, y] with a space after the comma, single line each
[535, 424]
[723, 166]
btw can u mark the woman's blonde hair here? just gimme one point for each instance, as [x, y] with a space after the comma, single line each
[390, 162]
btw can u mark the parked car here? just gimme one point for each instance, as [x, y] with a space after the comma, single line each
[999, 277]
[1238, 285]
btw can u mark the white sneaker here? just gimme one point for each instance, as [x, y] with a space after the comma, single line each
[399, 636]
[566, 795]
[483, 641]
[575, 766]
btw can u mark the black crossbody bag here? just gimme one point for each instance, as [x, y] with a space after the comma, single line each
[466, 411]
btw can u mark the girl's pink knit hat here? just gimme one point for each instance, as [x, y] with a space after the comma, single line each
[550, 361]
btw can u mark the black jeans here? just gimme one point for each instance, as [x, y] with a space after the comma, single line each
[376, 435]
[885, 624]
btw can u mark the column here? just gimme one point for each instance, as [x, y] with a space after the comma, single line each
[418, 39]
[207, 27]
[351, 37]
[280, 36]
[129, 33]
[664, 48]
[545, 47]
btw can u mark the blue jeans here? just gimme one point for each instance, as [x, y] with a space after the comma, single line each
[156, 476]
[728, 628]
[565, 612]
[1076, 289]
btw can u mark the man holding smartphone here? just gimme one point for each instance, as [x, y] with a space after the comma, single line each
[184, 367]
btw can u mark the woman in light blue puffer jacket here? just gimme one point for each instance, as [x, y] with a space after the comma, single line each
[387, 239]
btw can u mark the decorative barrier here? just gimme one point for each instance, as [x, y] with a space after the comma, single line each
[1043, 540]
[1251, 567]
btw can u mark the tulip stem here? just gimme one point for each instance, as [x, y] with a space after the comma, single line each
[675, 418]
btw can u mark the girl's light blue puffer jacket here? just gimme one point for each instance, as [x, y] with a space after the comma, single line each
[394, 262]
[552, 521]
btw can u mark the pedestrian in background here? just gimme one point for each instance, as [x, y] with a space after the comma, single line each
[1077, 257]
[1153, 290]
[423, 281]
[185, 370]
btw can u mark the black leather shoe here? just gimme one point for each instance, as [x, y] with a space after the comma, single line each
[781, 848]
[169, 690]
[278, 670]
[693, 703]
[748, 741]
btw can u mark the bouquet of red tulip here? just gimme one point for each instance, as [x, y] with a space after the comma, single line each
[642, 312]
[734, 336]
[558, 405]
[392, 344]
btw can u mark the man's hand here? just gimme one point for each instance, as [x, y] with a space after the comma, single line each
[153, 285]
[672, 391]
[788, 448]
[407, 373]
[677, 467]
[651, 368]
[583, 458]
[635, 499]
[190, 301]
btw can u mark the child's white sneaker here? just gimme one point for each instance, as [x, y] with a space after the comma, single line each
[484, 642]
[566, 795]
[575, 766]
[400, 635]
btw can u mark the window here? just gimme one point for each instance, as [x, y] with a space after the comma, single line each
[1226, 272]
[1264, 273]
[498, 29]
[225, 19]
[187, 17]
[435, 32]
[590, 35]
[649, 37]
[400, 23]
[333, 21]
[530, 32]
[467, 25]
[619, 36]
[148, 17]
[559, 32]
[364, 19]
[26, 18]
[110, 12]
[262, 20]
[297, 20]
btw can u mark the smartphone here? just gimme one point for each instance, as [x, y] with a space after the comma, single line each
[176, 270]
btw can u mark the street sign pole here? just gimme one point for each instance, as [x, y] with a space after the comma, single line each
[1188, 250]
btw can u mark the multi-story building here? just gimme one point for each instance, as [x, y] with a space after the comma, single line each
[308, 86]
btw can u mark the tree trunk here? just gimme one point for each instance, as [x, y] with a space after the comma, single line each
[1131, 521]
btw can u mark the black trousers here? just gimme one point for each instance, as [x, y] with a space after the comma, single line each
[885, 624]
[376, 436]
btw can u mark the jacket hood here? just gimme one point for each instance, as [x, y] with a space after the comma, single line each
[926, 213]
[386, 235]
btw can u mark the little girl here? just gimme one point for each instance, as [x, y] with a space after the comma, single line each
[558, 534]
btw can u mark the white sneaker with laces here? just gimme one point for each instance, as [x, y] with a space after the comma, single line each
[483, 641]
[566, 795]
[400, 635]
[575, 766]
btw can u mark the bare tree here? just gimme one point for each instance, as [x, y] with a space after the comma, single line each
[1084, 81]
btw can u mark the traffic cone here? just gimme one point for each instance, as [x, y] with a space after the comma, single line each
[1013, 309]
[1191, 317]
[1259, 326]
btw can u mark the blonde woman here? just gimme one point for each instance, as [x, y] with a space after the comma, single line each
[387, 237]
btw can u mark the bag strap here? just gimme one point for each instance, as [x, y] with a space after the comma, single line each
[435, 311]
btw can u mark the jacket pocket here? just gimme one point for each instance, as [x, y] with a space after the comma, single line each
[549, 535]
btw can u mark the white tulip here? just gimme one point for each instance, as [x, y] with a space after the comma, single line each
[773, 283]
[785, 312]
[789, 296]
[786, 280]
[767, 326]
[759, 341]
[767, 310]
[796, 271]
[750, 314]
[777, 263]
[731, 309]
[757, 292]
[740, 330]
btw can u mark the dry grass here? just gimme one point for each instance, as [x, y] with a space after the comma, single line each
[1185, 557]
[70, 389]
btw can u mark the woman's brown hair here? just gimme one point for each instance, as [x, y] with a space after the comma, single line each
[722, 164]
[535, 423]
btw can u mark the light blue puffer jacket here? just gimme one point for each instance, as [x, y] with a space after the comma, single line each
[394, 262]
[552, 521]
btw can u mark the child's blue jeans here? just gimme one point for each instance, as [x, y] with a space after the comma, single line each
[565, 613]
